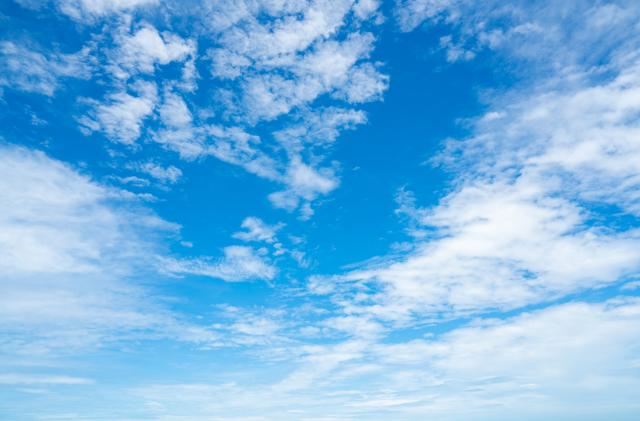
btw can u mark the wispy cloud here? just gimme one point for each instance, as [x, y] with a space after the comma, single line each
[72, 252]
[28, 69]
[491, 370]
[240, 263]
[521, 224]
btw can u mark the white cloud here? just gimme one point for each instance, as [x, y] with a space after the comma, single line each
[566, 357]
[364, 9]
[275, 58]
[142, 51]
[501, 246]
[555, 36]
[523, 223]
[168, 174]
[26, 69]
[256, 230]
[71, 254]
[292, 31]
[364, 84]
[44, 201]
[318, 128]
[174, 112]
[412, 13]
[304, 183]
[239, 263]
[246, 327]
[326, 68]
[121, 115]
[83, 9]
[235, 146]
[281, 65]
[570, 360]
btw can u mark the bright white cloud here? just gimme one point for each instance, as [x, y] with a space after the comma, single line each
[122, 114]
[146, 48]
[304, 183]
[326, 68]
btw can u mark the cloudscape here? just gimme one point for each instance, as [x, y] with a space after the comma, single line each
[319, 210]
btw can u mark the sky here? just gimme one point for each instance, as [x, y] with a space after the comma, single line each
[319, 210]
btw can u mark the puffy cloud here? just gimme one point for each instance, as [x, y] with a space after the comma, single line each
[293, 29]
[174, 112]
[364, 84]
[122, 114]
[142, 51]
[305, 183]
[412, 13]
[326, 68]
[275, 60]
[501, 246]
[236, 146]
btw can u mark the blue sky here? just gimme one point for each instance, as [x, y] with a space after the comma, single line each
[319, 210]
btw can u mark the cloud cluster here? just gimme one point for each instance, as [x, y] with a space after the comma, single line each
[526, 220]
[303, 52]
[304, 64]
[266, 63]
